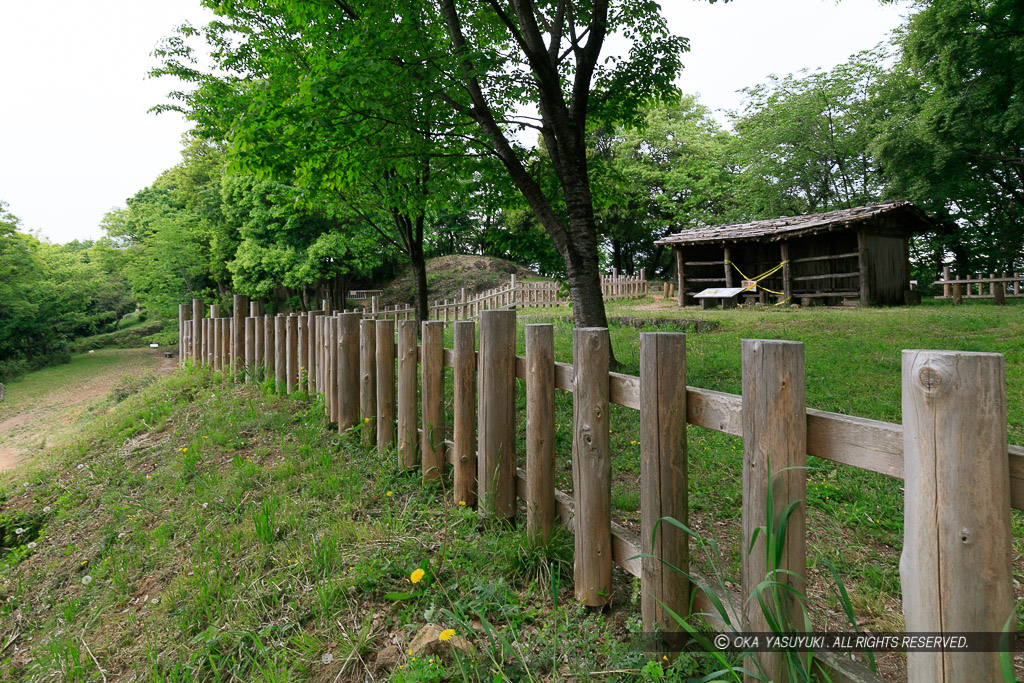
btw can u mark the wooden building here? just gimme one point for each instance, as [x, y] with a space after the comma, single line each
[855, 257]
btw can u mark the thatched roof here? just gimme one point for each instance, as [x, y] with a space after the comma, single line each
[903, 215]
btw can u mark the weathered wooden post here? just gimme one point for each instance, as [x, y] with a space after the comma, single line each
[956, 567]
[663, 480]
[218, 343]
[384, 336]
[250, 349]
[280, 359]
[591, 466]
[255, 309]
[331, 366]
[291, 352]
[269, 356]
[407, 353]
[496, 392]
[204, 336]
[240, 304]
[186, 339]
[946, 287]
[432, 401]
[260, 365]
[774, 421]
[197, 317]
[958, 297]
[225, 341]
[311, 360]
[464, 409]
[368, 379]
[540, 432]
[348, 370]
[183, 315]
[301, 378]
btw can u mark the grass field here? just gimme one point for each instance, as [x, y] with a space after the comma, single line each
[244, 541]
[44, 407]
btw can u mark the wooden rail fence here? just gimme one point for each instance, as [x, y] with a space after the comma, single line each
[961, 478]
[997, 287]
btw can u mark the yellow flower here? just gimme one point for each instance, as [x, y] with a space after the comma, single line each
[388, 494]
[446, 634]
[417, 576]
[366, 419]
[462, 502]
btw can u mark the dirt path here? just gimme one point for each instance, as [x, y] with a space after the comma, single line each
[50, 404]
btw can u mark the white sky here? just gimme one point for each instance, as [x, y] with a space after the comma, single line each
[76, 139]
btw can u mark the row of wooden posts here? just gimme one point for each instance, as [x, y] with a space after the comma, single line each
[995, 286]
[951, 450]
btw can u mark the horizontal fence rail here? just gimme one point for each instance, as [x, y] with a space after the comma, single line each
[960, 477]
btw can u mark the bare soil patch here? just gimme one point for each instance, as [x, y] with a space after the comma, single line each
[56, 411]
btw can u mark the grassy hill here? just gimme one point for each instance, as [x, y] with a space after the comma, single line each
[447, 275]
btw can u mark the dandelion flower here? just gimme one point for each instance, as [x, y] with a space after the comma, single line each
[327, 658]
[417, 576]
[19, 531]
[31, 545]
[86, 580]
[388, 494]
[46, 509]
[366, 419]
[462, 502]
[446, 634]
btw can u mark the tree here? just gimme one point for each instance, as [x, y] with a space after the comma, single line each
[482, 62]
[802, 142]
[952, 130]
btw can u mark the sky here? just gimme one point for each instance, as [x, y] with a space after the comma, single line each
[76, 139]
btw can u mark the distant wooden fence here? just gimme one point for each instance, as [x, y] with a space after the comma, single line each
[997, 287]
[515, 293]
[961, 478]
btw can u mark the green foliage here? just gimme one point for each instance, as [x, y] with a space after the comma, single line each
[952, 130]
[50, 294]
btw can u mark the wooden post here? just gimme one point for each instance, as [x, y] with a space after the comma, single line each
[311, 352]
[348, 370]
[958, 297]
[260, 350]
[432, 401]
[540, 432]
[774, 418]
[956, 567]
[385, 340]
[787, 272]
[218, 331]
[680, 279]
[496, 392]
[197, 315]
[464, 429]
[726, 258]
[331, 365]
[280, 359]
[240, 304]
[407, 436]
[862, 267]
[663, 480]
[183, 314]
[946, 288]
[204, 335]
[225, 340]
[591, 466]
[292, 352]
[250, 349]
[368, 380]
[268, 347]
